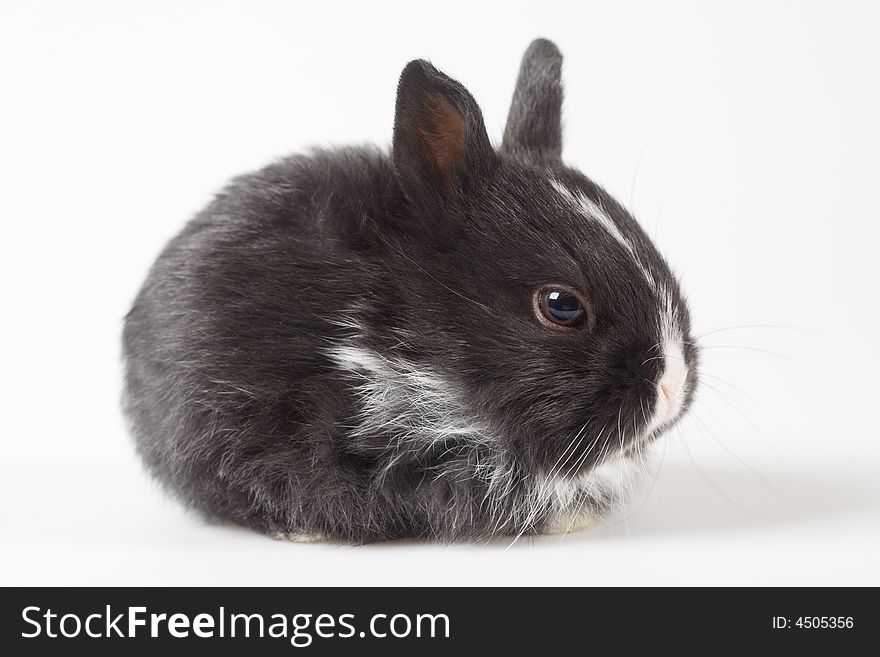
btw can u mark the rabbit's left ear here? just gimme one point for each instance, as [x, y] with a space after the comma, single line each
[534, 124]
[440, 148]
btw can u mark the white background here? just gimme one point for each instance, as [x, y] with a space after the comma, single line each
[743, 135]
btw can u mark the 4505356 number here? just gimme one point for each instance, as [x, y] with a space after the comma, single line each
[814, 622]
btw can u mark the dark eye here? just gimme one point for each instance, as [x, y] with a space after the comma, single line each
[560, 307]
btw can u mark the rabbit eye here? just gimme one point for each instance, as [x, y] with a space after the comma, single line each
[560, 307]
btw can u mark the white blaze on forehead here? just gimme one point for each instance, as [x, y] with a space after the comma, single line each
[593, 211]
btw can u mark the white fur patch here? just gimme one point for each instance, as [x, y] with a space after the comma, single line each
[419, 409]
[673, 382]
[597, 214]
[600, 482]
[575, 502]
[578, 502]
[402, 399]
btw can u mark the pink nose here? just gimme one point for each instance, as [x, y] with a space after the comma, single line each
[671, 386]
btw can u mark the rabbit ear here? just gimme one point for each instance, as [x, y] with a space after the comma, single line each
[440, 147]
[534, 124]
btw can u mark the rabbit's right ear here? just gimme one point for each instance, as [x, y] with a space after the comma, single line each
[534, 124]
[440, 148]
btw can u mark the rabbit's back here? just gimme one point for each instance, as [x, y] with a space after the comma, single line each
[224, 370]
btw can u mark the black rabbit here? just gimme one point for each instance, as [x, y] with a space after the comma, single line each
[452, 342]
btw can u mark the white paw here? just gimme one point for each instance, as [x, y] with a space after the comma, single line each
[299, 537]
[567, 522]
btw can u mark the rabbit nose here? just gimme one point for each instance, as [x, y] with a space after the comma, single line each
[672, 384]
[671, 390]
[670, 387]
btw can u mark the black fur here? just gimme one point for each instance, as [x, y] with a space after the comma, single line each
[534, 123]
[429, 258]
